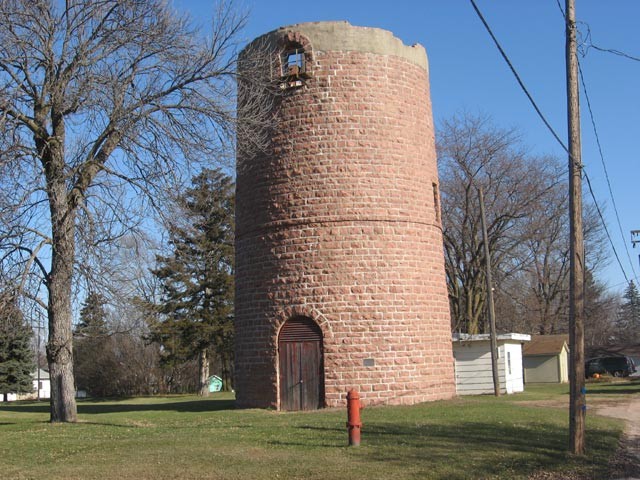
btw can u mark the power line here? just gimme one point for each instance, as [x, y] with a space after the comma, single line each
[561, 10]
[616, 286]
[604, 224]
[611, 50]
[515, 73]
[590, 44]
[595, 132]
[549, 127]
[606, 172]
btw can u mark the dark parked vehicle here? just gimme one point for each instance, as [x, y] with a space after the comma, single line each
[616, 366]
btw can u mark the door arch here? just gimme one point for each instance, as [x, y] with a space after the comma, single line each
[301, 365]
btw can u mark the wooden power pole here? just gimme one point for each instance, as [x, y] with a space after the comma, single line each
[490, 307]
[577, 408]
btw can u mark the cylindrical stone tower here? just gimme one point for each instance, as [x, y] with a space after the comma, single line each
[339, 261]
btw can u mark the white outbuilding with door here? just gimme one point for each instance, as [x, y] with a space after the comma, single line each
[472, 355]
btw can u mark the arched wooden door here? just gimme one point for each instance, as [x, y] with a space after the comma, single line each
[301, 365]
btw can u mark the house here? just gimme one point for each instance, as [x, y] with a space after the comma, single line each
[546, 359]
[41, 388]
[474, 374]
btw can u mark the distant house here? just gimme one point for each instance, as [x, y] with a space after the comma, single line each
[215, 383]
[546, 359]
[474, 374]
[41, 386]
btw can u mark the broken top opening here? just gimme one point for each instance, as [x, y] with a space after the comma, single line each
[293, 62]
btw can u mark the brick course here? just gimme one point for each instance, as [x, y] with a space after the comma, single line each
[340, 223]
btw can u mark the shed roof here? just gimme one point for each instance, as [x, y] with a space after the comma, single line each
[44, 375]
[546, 344]
[483, 337]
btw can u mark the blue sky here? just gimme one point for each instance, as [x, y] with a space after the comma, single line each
[468, 74]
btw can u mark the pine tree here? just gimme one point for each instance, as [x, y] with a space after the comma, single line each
[16, 353]
[93, 321]
[93, 360]
[629, 313]
[196, 312]
[599, 312]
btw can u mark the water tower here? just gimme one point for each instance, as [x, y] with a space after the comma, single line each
[340, 277]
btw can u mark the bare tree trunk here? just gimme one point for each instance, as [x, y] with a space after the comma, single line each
[203, 369]
[60, 345]
[472, 326]
[228, 373]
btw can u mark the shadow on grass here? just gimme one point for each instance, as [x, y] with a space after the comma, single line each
[482, 450]
[23, 407]
[121, 406]
[489, 449]
[626, 388]
[621, 391]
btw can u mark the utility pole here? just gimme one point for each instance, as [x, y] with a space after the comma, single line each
[635, 239]
[577, 407]
[38, 356]
[38, 327]
[490, 307]
[38, 364]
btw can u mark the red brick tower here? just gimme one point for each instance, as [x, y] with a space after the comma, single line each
[339, 264]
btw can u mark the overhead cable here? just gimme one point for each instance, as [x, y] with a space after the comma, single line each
[549, 127]
[606, 172]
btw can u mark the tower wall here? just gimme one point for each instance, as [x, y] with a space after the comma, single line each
[339, 221]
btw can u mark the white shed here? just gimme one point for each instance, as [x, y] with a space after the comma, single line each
[42, 384]
[41, 388]
[472, 355]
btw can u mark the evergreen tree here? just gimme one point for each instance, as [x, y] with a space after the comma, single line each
[93, 359]
[93, 321]
[629, 313]
[599, 312]
[16, 353]
[196, 312]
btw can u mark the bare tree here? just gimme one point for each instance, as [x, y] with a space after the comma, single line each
[543, 284]
[527, 205]
[101, 103]
[473, 153]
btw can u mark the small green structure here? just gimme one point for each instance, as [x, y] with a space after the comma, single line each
[215, 383]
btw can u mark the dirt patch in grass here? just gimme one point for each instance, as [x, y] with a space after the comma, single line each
[552, 403]
[626, 461]
[559, 476]
[618, 399]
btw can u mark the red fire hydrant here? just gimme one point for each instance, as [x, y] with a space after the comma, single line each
[353, 417]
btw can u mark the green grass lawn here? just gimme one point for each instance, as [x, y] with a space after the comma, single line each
[189, 437]
[607, 387]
